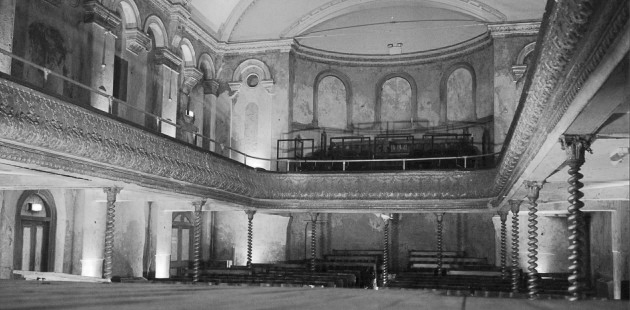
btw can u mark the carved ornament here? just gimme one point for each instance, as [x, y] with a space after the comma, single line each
[164, 56]
[560, 71]
[97, 13]
[137, 41]
[514, 29]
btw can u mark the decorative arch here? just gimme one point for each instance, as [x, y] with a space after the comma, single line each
[346, 83]
[159, 31]
[234, 18]
[23, 219]
[188, 51]
[519, 68]
[128, 8]
[444, 88]
[206, 66]
[379, 88]
[250, 66]
[337, 8]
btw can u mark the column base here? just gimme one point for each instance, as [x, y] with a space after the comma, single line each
[162, 266]
[92, 267]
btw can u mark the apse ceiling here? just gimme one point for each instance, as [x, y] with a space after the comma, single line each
[361, 26]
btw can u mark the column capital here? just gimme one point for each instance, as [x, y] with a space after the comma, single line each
[137, 41]
[314, 216]
[211, 87]
[533, 190]
[191, 77]
[439, 216]
[574, 146]
[515, 205]
[250, 214]
[198, 204]
[111, 193]
[97, 13]
[503, 214]
[163, 56]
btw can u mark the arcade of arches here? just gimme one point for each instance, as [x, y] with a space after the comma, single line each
[162, 138]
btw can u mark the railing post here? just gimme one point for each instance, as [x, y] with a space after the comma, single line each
[439, 216]
[533, 280]
[575, 147]
[514, 206]
[404, 165]
[250, 235]
[503, 215]
[197, 239]
[313, 240]
[109, 230]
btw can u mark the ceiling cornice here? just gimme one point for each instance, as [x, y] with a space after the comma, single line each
[336, 8]
[441, 54]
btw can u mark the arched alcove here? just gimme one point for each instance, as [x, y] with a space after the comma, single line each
[35, 226]
[458, 94]
[331, 98]
[396, 101]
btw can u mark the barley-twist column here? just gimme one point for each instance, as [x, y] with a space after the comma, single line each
[313, 240]
[250, 235]
[109, 230]
[387, 219]
[514, 206]
[533, 280]
[197, 239]
[575, 147]
[503, 214]
[439, 242]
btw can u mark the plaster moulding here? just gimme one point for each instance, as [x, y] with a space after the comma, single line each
[441, 54]
[137, 41]
[38, 130]
[332, 9]
[573, 44]
[514, 29]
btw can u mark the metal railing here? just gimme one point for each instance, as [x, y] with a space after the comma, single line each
[160, 121]
[403, 161]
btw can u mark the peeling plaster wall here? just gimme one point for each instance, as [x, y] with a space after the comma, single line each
[272, 107]
[363, 83]
[507, 91]
[601, 245]
[331, 103]
[269, 237]
[396, 100]
[459, 96]
[129, 236]
[7, 231]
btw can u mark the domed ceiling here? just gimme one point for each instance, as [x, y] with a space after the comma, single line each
[361, 26]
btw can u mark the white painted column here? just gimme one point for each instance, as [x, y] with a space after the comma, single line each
[7, 20]
[100, 46]
[94, 221]
[163, 243]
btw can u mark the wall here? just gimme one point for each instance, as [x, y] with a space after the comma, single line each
[601, 245]
[552, 238]
[365, 79]
[507, 91]
[129, 236]
[269, 237]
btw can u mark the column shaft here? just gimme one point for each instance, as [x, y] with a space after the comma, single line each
[439, 242]
[109, 230]
[250, 235]
[313, 240]
[197, 240]
[515, 205]
[533, 280]
[503, 215]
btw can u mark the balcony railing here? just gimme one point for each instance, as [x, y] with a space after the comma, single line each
[282, 164]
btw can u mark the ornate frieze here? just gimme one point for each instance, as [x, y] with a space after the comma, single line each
[44, 131]
[137, 41]
[514, 29]
[97, 13]
[572, 45]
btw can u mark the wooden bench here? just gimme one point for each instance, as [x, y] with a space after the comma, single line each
[418, 253]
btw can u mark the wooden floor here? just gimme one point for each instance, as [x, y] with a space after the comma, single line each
[22, 294]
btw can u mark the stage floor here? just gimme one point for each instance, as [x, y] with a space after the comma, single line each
[21, 294]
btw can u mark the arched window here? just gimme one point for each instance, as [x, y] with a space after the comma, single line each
[396, 103]
[331, 103]
[460, 94]
[35, 232]
[181, 242]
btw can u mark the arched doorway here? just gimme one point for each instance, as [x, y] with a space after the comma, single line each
[181, 243]
[35, 232]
